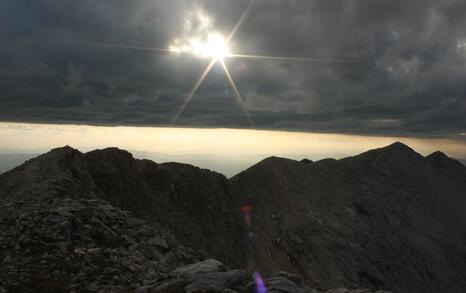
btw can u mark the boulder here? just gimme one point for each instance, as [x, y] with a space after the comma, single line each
[207, 266]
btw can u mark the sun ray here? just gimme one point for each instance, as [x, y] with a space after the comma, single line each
[240, 22]
[194, 90]
[141, 48]
[238, 96]
[278, 58]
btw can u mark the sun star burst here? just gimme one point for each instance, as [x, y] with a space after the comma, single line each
[214, 46]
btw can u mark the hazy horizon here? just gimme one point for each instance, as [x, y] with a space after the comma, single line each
[227, 151]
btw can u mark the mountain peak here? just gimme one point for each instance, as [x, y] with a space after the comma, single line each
[112, 152]
[58, 154]
[63, 150]
[441, 160]
[399, 146]
[438, 155]
[274, 161]
[398, 150]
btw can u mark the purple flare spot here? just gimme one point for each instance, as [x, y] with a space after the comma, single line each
[260, 286]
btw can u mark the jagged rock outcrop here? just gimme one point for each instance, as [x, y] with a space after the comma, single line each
[386, 219]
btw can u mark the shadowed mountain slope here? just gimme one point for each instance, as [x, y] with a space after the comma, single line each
[194, 203]
[388, 218]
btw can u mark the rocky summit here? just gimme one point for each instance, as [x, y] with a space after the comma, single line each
[388, 219]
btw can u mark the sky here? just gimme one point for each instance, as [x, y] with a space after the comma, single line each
[389, 68]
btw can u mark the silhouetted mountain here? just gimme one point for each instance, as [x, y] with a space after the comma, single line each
[386, 219]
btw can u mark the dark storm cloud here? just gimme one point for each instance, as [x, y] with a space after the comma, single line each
[406, 75]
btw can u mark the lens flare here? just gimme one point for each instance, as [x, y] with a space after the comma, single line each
[260, 285]
[246, 210]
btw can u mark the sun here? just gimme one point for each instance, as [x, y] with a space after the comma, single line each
[214, 46]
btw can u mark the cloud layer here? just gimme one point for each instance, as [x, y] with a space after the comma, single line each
[406, 76]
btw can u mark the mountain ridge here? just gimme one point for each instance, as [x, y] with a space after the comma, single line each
[385, 219]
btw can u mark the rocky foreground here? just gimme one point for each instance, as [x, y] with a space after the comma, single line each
[389, 219]
[61, 244]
